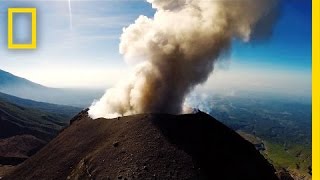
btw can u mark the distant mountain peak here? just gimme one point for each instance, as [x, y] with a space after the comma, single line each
[24, 88]
[10, 80]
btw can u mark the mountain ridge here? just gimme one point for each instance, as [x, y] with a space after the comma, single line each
[47, 107]
[24, 88]
[22, 116]
[193, 146]
[26, 126]
[11, 80]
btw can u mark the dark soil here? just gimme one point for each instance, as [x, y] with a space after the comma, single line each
[147, 146]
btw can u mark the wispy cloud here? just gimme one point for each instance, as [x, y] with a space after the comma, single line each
[83, 21]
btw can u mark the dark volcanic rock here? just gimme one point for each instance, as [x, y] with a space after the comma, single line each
[17, 149]
[149, 146]
[284, 175]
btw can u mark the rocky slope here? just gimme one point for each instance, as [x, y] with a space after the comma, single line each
[147, 146]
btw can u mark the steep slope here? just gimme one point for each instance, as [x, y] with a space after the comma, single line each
[8, 80]
[21, 87]
[26, 126]
[147, 146]
[64, 112]
[43, 123]
[16, 149]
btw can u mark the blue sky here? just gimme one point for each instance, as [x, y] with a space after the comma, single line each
[290, 44]
[87, 54]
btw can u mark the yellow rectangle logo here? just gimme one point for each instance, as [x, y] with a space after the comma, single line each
[33, 44]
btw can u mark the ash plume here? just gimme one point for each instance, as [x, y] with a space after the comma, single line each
[176, 50]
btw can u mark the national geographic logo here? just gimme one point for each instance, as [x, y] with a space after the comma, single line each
[11, 13]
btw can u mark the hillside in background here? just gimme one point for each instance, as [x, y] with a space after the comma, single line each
[26, 126]
[280, 126]
[63, 111]
[147, 146]
[20, 116]
[8, 80]
[20, 87]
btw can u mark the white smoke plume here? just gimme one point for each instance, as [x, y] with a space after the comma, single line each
[176, 50]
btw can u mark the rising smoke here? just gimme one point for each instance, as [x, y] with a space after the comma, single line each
[177, 49]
